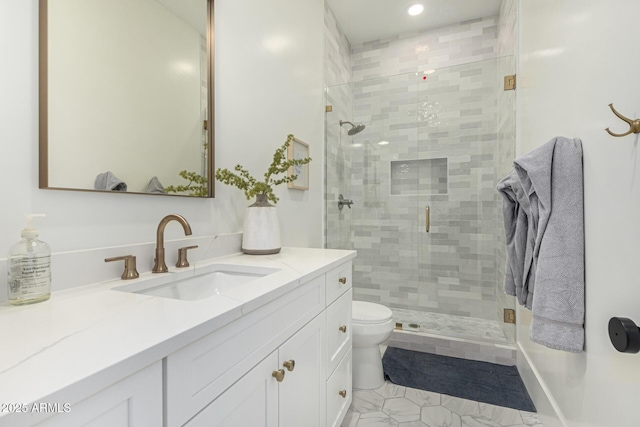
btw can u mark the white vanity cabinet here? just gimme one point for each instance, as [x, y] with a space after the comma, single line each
[272, 366]
[281, 359]
[133, 401]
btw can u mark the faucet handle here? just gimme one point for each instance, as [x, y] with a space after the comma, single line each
[130, 271]
[182, 256]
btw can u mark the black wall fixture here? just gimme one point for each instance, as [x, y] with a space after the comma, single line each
[624, 335]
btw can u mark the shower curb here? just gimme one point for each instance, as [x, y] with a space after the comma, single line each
[501, 354]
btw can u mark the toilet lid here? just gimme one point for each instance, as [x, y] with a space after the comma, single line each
[368, 312]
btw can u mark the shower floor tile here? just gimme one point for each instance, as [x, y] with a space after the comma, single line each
[408, 407]
[471, 328]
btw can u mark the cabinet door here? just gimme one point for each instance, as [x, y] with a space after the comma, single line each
[250, 402]
[339, 392]
[302, 392]
[136, 401]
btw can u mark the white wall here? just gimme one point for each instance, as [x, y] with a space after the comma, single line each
[577, 57]
[265, 89]
[269, 84]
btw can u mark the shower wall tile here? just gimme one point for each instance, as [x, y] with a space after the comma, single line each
[462, 43]
[337, 51]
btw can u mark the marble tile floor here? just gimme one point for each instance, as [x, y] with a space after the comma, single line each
[452, 326]
[397, 406]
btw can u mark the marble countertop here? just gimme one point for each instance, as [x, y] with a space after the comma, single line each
[92, 336]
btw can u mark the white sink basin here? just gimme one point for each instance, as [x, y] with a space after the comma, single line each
[208, 281]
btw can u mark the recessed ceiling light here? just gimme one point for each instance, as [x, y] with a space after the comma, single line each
[416, 9]
[383, 142]
[429, 71]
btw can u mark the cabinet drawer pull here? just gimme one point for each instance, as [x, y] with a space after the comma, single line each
[290, 365]
[343, 329]
[343, 393]
[278, 375]
[343, 280]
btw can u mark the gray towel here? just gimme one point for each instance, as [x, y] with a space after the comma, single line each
[155, 186]
[545, 241]
[108, 181]
[519, 229]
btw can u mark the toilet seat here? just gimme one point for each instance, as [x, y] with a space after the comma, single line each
[370, 313]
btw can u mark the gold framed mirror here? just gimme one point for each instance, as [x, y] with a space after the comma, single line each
[126, 96]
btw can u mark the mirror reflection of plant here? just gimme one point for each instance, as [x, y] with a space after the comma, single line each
[197, 185]
[251, 186]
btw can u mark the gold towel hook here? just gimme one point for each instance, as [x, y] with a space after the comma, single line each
[634, 125]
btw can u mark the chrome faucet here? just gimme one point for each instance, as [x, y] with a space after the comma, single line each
[160, 266]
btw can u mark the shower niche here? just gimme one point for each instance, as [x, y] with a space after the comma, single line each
[420, 176]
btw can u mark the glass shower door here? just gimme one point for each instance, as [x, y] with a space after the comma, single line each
[382, 185]
[458, 174]
[337, 168]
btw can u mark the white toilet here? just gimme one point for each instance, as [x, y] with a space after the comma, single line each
[371, 325]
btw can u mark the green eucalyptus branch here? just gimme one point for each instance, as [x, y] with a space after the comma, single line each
[197, 185]
[252, 187]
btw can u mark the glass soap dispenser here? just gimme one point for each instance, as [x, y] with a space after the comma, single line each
[29, 267]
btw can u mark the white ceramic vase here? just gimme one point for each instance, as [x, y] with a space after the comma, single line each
[261, 231]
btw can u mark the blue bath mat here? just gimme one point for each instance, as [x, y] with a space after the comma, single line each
[468, 379]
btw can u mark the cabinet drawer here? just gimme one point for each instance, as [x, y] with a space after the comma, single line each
[198, 373]
[338, 281]
[338, 330]
[339, 382]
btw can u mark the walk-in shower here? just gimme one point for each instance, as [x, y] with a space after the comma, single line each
[439, 133]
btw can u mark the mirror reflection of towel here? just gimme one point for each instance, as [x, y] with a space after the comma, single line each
[155, 186]
[108, 181]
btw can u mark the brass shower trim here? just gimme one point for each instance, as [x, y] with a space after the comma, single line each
[634, 125]
[427, 221]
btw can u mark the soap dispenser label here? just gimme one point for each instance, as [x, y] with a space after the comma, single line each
[28, 276]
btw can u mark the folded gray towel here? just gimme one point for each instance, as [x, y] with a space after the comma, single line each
[108, 181]
[545, 241]
[155, 186]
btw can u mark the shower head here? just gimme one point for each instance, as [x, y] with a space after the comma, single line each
[354, 128]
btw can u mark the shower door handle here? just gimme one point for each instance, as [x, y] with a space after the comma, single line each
[427, 219]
